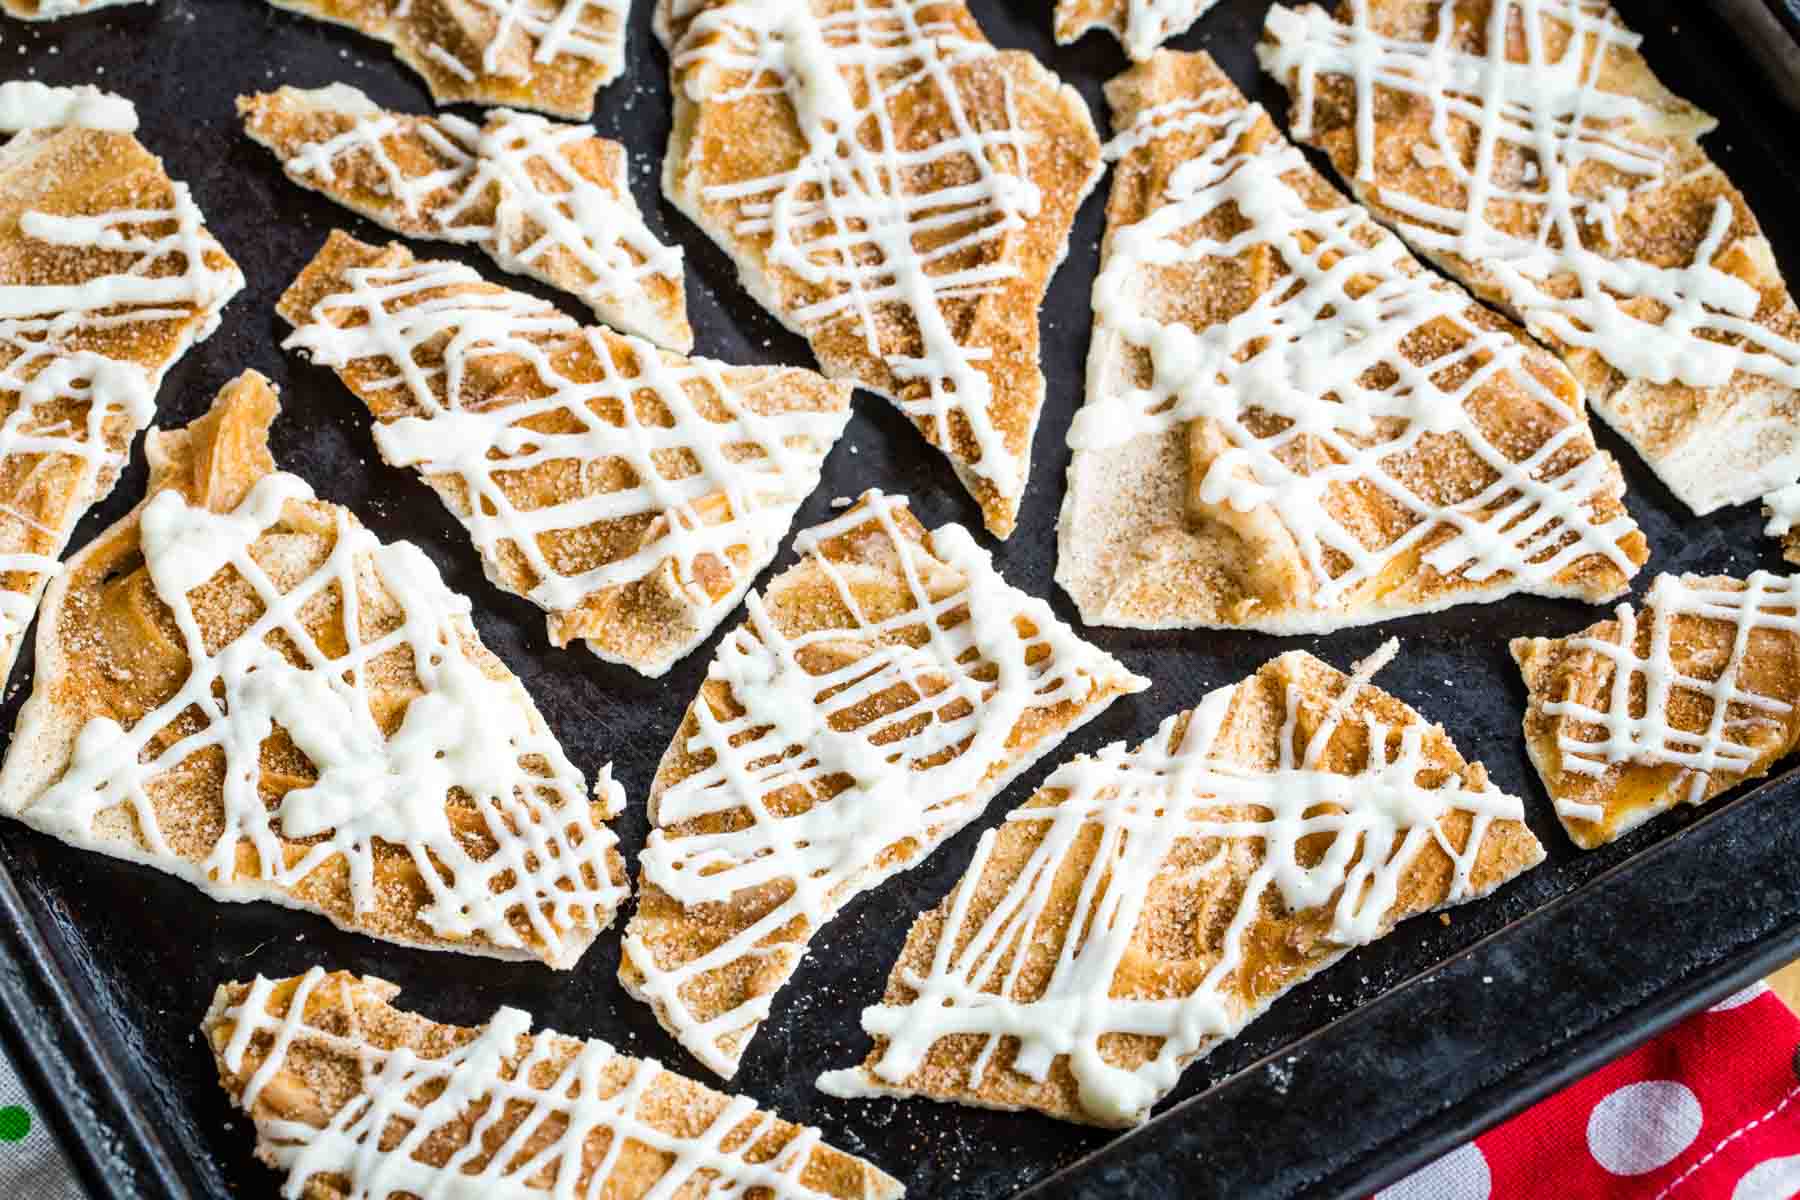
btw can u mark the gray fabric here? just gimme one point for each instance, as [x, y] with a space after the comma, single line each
[32, 1165]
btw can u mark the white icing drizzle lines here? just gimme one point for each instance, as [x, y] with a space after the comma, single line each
[445, 310]
[843, 219]
[786, 738]
[1638, 730]
[1300, 353]
[1552, 110]
[464, 731]
[1144, 803]
[536, 223]
[1150, 23]
[43, 326]
[553, 28]
[490, 1078]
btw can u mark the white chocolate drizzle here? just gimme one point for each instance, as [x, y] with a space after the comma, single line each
[27, 104]
[1137, 807]
[969, 680]
[411, 1100]
[1784, 510]
[1635, 726]
[553, 28]
[47, 330]
[464, 732]
[844, 220]
[1148, 23]
[1324, 351]
[1563, 273]
[446, 306]
[547, 215]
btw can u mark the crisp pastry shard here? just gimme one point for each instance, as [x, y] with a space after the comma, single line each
[107, 276]
[1782, 508]
[1140, 25]
[1526, 148]
[240, 685]
[542, 199]
[897, 191]
[630, 492]
[883, 691]
[549, 55]
[1671, 705]
[355, 1098]
[1290, 424]
[1145, 905]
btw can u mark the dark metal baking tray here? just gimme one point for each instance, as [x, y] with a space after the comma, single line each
[1383, 1061]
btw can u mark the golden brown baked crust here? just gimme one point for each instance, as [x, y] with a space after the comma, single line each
[550, 55]
[637, 532]
[115, 753]
[832, 747]
[347, 1046]
[1100, 890]
[546, 200]
[932, 304]
[1654, 217]
[1674, 703]
[1456, 466]
[75, 388]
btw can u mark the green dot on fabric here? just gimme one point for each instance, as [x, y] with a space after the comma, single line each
[15, 1123]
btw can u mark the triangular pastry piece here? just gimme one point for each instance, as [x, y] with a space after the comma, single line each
[883, 691]
[542, 199]
[352, 1097]
[632, 493]
[107, 276]
[1145, 905]
[1669, 705]
[548, 55]
[240, 685]
[895, 190]
[1290, 424]
[1526, 148]
[1140, 25]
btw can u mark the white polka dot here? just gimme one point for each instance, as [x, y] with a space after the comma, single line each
[1738, 999]
[1461, 1174]
[1777, 1179]
[1642, 1126]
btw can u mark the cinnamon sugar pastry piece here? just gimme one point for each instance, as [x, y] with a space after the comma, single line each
[353, 1097]
[884, 689]
[1526, 147]
[548, 55]
[240, 685]
[895, 190]
[1140, 25]
[630, 492]
[1145, 905]
[1290, 424]
[1669, 705]
[542, 199]
[107, 276]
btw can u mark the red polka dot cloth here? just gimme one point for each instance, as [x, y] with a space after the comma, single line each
[1709, 1110]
